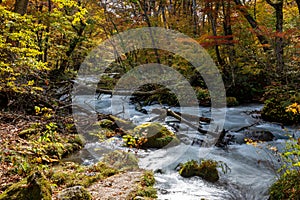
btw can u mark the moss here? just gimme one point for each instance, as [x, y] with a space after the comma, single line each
[151, 135]
[203, 96]
[148, 179]
[121, 160]
[77, 139]
[71, 174]
[106, 123]
[206, 169]
[232, 101]
[145, 187]
[35, 186]
[286, 187]
[75, 193]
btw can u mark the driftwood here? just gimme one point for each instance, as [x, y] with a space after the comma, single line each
[193, 117]
[130, 92]
[163, 113]
[246, 127]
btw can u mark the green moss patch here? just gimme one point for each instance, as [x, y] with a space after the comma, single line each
[71, 174]
[35, 186]
[145, 189]
[206, 169]
[232, 101]
[121, 160]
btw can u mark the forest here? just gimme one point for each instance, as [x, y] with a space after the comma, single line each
[254, 44]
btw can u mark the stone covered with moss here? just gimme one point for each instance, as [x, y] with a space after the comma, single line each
[71, 174]
[121, 160]
[74, 193]
[206, 169]
[151, 135]
[232, 101]
[35, 186]
[121, 123]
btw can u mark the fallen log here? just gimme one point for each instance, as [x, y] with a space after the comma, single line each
[130, 92]
[163, 113]
[193, 117]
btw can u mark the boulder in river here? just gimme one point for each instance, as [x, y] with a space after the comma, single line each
[151, 135]
[232, 101]
[206, 169]
[259, 135]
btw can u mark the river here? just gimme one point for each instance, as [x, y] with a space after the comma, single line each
[252, 168]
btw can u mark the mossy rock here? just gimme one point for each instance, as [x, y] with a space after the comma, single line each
[232, 101]
[260, 135]
[121, 123]
[206, 169]
[121, 160]
[203, 96]
[106, 123]
[35, 187]
[74, 193]
[70, 174]
[151, 135]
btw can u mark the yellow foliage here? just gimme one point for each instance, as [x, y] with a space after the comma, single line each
[294, 108]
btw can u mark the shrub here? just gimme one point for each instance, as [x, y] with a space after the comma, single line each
[281, 105]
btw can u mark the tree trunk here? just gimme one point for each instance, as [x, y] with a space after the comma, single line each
[278, 6]
[298, 4]
[262, 39]
[21, 6]
[144, 8]
[226, 4]
[47, 31]
[195, 18]
[212, 15]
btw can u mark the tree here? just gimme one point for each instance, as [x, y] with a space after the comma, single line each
[259, 33]
[21, 6]
[278, 6]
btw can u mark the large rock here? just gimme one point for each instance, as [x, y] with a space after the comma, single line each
[206, 169]
[259, 135]
[35, 187]
[74, 193]
[152, 135]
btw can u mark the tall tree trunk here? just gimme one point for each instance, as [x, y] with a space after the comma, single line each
[298, 4]
[21, 6]
[226, 5]
[278, 6]
[259, 33]
[212, 15]
[195, 17]
[144, 8]
[47, 32]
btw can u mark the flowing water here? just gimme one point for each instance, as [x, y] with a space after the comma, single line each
[252, 168]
